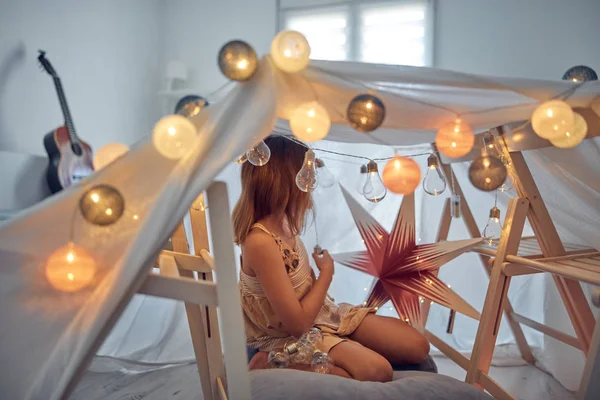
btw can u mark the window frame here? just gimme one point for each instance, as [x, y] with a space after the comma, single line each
[354, 7]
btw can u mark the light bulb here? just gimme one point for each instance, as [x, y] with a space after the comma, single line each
[102, 205]
[552, 119]
[70, 268]
[493, 230]
[306, 179]
[108, 153]
[237, 60]
[506, 186]
[190, 105]
[324, 176]
[575, 136]
[174, 136]
[290, 51]
[434, 182]
[362, 179]
[580, 73]
[455, 139]
[365, 113]
[310, 122]
[401, 175]
[455, 206]
[487, 173]
[374, 189]
[259, 155]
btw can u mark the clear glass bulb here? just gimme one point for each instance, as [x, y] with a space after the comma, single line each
[434, 182]
[324, 176]
[506, 186]
[259, 155]
[362, 179]
[374, 189]
[493, 148]
[306, 179]
[241, 159]
[493, 230]
[455, 206]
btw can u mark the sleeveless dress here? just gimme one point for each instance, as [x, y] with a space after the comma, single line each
[264, 330]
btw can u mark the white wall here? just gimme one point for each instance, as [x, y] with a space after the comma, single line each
[533, 38]
[195, 31]
[108, 54]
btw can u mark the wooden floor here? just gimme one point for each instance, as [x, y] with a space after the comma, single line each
[182, 383]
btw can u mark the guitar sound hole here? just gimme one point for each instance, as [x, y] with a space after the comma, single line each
[76, 147]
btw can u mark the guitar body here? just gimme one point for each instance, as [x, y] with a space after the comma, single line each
[65, 167]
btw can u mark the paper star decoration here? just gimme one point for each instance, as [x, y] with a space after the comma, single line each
[404, 270]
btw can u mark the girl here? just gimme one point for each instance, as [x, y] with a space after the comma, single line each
[282, 298]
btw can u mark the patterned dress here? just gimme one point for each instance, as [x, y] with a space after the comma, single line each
[265, 331]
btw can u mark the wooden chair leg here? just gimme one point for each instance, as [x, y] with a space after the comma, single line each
[228, 295]
[491, 316]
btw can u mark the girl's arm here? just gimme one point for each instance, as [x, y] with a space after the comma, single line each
[262, 256]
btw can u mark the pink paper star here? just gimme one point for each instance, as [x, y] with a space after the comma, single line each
[404, 270]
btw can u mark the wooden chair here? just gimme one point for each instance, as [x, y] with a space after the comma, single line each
[186, 274]
[517, 255]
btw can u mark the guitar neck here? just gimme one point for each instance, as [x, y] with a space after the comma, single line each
[66, 113]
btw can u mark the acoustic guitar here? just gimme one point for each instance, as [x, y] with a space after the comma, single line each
[70, 158]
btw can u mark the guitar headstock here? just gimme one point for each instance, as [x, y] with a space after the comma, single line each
[46, 64]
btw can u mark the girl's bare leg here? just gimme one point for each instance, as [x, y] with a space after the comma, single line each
[361, 363]
[392, 338]
[259, 361]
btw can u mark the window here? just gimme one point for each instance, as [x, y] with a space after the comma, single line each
[385, 32]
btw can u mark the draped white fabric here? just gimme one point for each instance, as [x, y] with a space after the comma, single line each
[46, 336]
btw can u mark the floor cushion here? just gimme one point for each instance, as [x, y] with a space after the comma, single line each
[282, 384]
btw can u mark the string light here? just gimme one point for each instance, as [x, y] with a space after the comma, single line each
[310, 122]
[237, 60]
[70, 268]
[492, 231]
[102, 205]
[455, 139]
[374, 189]
[401, 175]
[552, 119]
[365, 113]
[487, 173]
[190, 105]
[174, 136]
[574, 137]
[434, 182]
[580, 73]
[306, 179]
[290, 51]
[259, 155]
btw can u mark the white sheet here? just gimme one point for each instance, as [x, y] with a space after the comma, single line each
[46, 336]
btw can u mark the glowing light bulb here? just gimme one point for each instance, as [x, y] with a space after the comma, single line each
[174, 136]
[455, 139]
[102, 205]
[237, 60]
[575, 136]
[290, 51]
[487, 173]
[401, 175]
[434, 182]
[310, 122]
[190, 105]
[324, 176]
[259, 155]
[580, 73]
[492, 231]
[553, 119]
[108, 153]
[374, 189]
[455, 206]
[306, 179]
[365, 113]
[70, 268]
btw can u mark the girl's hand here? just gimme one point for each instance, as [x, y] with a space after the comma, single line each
[324, 263]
